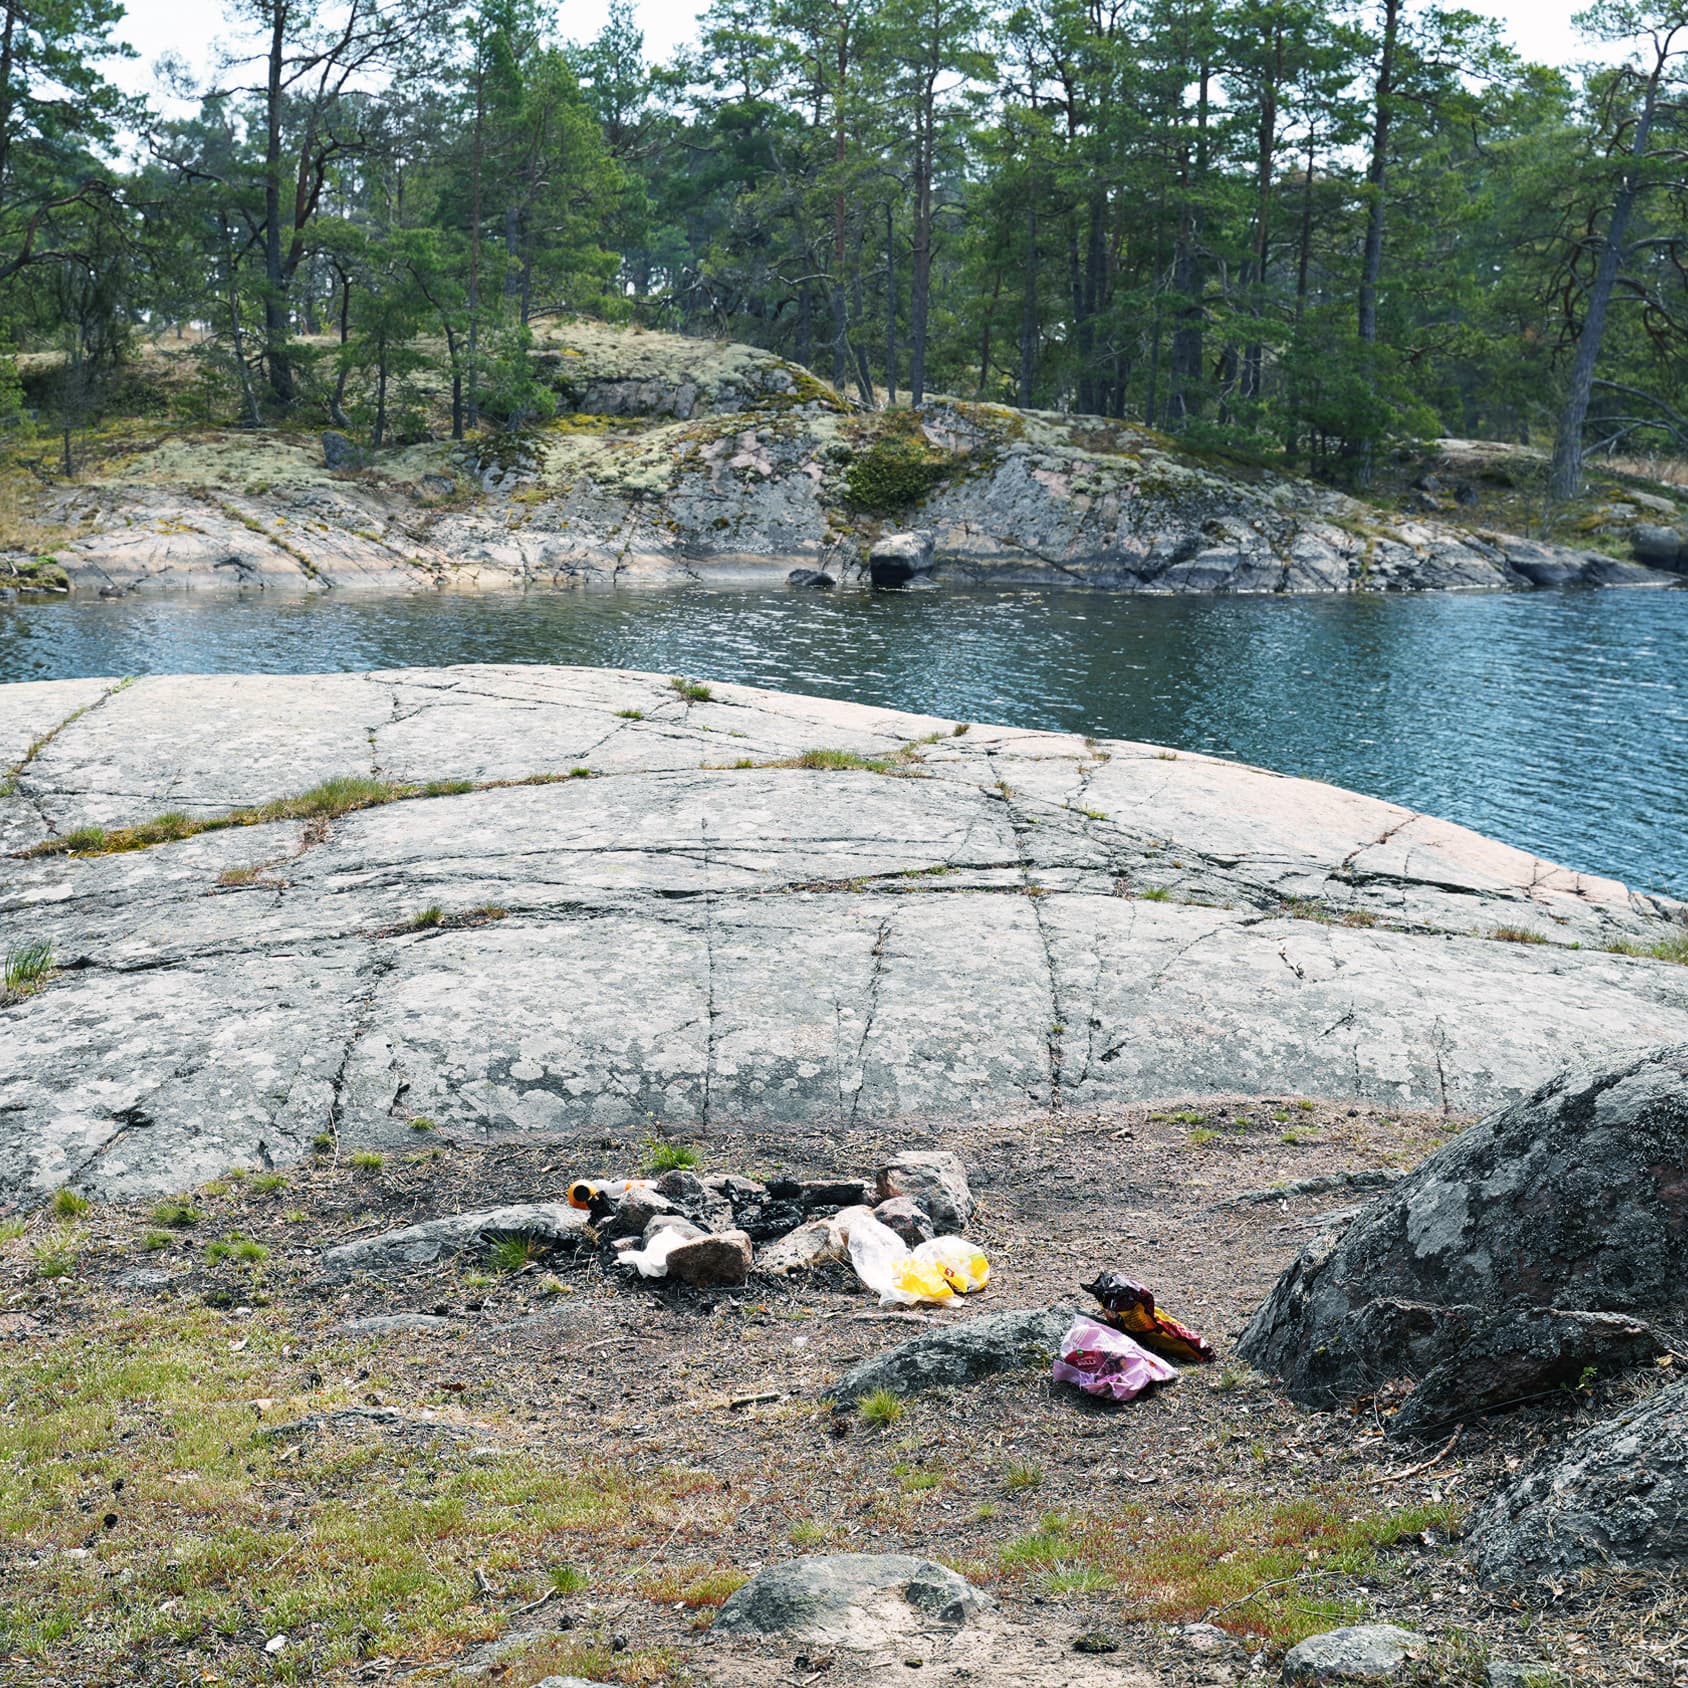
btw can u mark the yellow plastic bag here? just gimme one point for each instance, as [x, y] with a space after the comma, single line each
[933, 1274]
[962, 1263]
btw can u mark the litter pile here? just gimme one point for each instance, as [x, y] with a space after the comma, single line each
[900, 1232]
[1100, 1353]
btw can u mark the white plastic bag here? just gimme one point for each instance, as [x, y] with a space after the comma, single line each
[931, 1275]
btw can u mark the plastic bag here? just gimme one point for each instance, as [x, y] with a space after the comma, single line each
[963, 1264]
[932, 1274]
[1130, 1307]
[1105, 1362]
[652, 1260]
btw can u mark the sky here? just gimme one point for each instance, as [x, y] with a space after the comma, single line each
[1540, 29]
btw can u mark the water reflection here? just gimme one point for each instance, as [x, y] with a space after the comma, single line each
[1556, 721]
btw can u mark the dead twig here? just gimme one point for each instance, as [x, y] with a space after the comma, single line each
[1425, 1465]
[1253, 1594]
[534, 1605]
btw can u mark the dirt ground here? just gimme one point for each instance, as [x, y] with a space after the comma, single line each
[625, 1454]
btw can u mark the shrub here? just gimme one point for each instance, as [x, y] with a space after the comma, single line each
[897, 468]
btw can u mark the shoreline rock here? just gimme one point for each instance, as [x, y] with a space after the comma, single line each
[672, 460]
[771, 947]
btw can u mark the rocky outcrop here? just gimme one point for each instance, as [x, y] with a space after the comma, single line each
[993, 921]
[1551, 1237]
[547, 1223]
[960, 1353]
[1614, 1498]
[858, 1600]
[670, 459]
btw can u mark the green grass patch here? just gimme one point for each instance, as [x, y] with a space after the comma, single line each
[68, 1204]
[883, 1407]
[897, 467]
[693, 691]
[663, 1157]
[375, 1554]
[1284, 1562]
[1674, 948]
[179, 1216]
[839, 761]
[368, 1160]
[511, 1254]
[691, 1586]
[1516, 935]
[244, 1251]
[28, 966]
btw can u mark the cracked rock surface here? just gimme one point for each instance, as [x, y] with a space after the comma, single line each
[710, 933]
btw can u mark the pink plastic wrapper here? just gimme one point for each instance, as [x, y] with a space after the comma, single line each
[1106, 1362]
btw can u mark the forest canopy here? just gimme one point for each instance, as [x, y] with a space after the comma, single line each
[1275, 226]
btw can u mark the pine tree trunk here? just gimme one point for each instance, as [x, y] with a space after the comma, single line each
[1371, 269]
[1566, 477]
[275, 283]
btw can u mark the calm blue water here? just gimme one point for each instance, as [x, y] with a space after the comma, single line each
[1557, 721]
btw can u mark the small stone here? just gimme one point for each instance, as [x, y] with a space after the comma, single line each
[962, 1353]
[638, 1208]
[1094, 1641]
[1359, 1653]
[704, 1262]
[905, 1216]
[673, 1222]
[810, 1245]
[709, 1208]
[461, 1233]
[936, 1179]
[741, 1192]
[383, 1324]
[764, 1220]
[1209, 1639]
[145, 1277]
[816, 580]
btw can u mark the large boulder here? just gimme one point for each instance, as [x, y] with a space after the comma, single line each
[851, 1599]
[962, 1353]
[1657, 547]
[1615, 1497]
[1549, 1237]
[898, 558]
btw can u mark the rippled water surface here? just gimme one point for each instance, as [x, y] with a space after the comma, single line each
[1556, 721]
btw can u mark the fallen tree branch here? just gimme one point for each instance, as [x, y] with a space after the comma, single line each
[1435, 1459]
